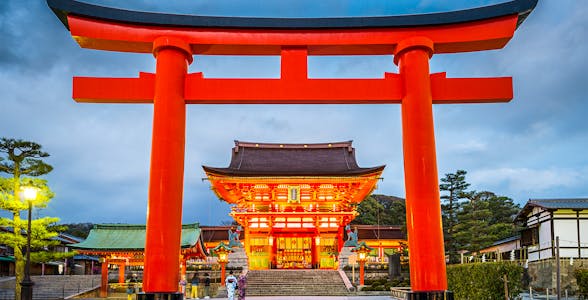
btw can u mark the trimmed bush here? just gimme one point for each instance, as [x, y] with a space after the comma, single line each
[383, 284]
[582, 279]
[484, 281]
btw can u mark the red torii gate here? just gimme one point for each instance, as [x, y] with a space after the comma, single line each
[174, 39]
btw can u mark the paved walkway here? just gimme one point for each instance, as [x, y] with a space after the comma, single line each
[317, 298]
[300, 298]
[525, 296]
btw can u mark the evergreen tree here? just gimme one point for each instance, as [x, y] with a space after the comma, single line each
[472, 231]
[382, 210]
[485, 219]
[504, 210]
[455, 185]
[23, 160]
[394, 210]
[369, 210]
[80, 230]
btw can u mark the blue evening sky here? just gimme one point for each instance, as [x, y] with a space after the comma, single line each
[532, 147]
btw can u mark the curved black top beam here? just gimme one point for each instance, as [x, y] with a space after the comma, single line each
[64, 7]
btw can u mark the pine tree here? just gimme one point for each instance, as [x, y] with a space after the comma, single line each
[485, 219]
[472, 231]
[22, 161]
[455, 185]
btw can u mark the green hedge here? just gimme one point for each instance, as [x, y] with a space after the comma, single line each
[481, 281]
[383, 284]
[582, 279]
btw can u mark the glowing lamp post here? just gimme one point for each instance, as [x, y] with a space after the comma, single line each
[222, 251]
[362, 253]
[29, 193]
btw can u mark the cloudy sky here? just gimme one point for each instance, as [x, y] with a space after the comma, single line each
[533, 147]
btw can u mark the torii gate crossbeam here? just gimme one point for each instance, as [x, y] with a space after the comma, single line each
[174, 39]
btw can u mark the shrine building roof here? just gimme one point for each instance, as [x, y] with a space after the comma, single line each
[552, 205]
[379, 232]
[215, 233]
[274, 159]
[131, 237]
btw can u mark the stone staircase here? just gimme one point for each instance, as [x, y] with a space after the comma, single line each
[50, 287]
[295, 283]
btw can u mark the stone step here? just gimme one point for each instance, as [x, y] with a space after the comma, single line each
[56, 286]
[295, 283]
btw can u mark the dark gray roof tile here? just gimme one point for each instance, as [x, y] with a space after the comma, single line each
[271, 159]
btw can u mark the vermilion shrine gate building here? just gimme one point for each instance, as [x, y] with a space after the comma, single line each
[293, 200]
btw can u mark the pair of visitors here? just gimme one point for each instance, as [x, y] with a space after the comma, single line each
[195, 282]
[236, 286]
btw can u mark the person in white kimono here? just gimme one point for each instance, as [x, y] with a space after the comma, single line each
[231, 284]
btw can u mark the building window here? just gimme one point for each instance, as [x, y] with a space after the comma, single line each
[530, 236]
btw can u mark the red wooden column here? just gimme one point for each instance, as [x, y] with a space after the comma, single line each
[183, 266]
[121, 272]
[104, 279]
[423, 207]
[164, 210]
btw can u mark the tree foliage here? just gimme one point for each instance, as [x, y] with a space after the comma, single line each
[80, 230]
[474, 220]
[382, 210]
[582, 280]
[22, 161]
[23, 158]
[455, 186]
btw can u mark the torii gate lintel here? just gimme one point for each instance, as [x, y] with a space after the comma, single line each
[201, 90]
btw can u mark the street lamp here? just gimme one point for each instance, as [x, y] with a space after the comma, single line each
[362, 253]
[29, 194]
[222, 251]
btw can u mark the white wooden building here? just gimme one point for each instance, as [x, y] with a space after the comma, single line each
[546, 219]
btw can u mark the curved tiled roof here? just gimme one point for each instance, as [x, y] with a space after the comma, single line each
[130, 237]
[553, 204]
[274, 159]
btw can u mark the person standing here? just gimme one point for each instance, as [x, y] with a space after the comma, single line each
[194, 289]
[231, 284]
[131, 285]
[242, 284]
[206, 285]
[183, 285]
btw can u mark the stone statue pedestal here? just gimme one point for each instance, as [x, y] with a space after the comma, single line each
[344, 257]
[238, 259]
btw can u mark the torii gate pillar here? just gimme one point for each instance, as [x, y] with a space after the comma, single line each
[166, 180]
[423, 221]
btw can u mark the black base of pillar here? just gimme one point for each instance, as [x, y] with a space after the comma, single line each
[26, 290]
[435, 295]
[160, 296]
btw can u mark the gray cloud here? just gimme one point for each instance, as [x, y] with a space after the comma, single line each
[533, 147]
